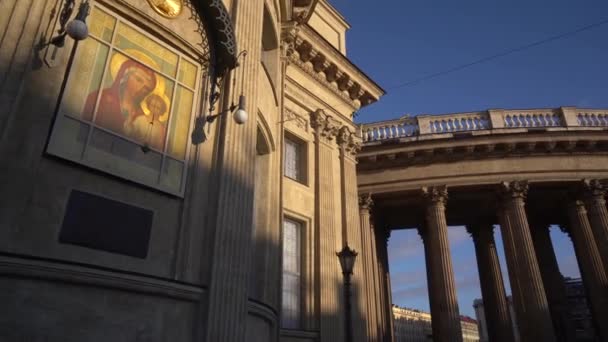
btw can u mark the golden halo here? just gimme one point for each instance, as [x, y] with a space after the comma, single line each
[146, 109]
[119, 59]
[167, 8]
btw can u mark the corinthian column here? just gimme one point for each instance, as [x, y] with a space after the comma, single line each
[493, 293]
[594, 278]
[442, 291]
[227, 299]
[365, 204]
[553, 282]
[327, 231]
[598, 216]
[531, 304]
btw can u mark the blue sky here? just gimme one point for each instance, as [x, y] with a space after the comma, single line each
[398, 41]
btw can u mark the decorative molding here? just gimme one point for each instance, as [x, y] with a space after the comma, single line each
[308, 69]
[298, 119]
[56, 271]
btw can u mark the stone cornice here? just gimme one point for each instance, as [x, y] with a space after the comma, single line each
[482, 147]
[317, 57]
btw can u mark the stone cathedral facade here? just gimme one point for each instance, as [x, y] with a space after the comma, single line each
[136, 206]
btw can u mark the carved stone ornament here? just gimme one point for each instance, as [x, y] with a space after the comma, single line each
[167, 8]
[365, 201]
[297, 119]
[323, 124]
[593, 188]
[515, 189]
[436, 194]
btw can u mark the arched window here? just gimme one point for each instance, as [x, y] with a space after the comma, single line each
[128, 105]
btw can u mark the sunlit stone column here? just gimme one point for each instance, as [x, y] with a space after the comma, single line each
[594, 278]
[553, 281]
[442, 291]
[348, 145]
[329, 282]
[365, 205]
[532, 309]
[594, 193]
[493, 293]
[226, 319]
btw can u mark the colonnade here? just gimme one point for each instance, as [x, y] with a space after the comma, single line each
[538, 289]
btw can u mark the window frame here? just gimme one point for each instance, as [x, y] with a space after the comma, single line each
[301, 227]
[90, 126]
[302, 154]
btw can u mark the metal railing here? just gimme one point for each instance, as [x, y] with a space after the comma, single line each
[494, 119]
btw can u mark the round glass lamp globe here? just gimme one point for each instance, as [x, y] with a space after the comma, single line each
[240, 116]
[77, 29]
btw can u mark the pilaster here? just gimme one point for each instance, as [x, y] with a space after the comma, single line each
[534, 309]
[592, 272]
[351, 229]
[493, 293]
[594, 193]
[227, 301]
[444, 305]
[329, 285]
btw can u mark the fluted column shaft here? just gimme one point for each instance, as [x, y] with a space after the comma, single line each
[587, 254]
[377, 283]
[493, 293]
[227, 299]
[553, 281]
[442, 290]
[532, 309]
[349, 145]
[365, 204]
[328, 286]
[595, 203]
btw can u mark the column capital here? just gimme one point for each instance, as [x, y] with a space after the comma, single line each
[348, 141]
[323, 124]
[515, 189]
[593, 188]
[366, 202]
[435, 194]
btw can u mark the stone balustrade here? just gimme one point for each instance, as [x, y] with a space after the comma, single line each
[485, 122]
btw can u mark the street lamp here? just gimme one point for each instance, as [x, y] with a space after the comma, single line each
[347, 258]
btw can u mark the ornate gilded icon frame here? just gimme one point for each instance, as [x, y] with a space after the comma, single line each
[167, 8]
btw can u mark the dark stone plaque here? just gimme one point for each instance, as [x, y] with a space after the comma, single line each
[100, 223]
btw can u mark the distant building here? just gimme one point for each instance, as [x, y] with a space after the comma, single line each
[579, 311]
[413, 325]
[483, 325]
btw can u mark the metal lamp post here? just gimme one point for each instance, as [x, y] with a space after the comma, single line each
[347, 258]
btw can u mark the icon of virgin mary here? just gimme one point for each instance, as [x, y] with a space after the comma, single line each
[135, 104]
